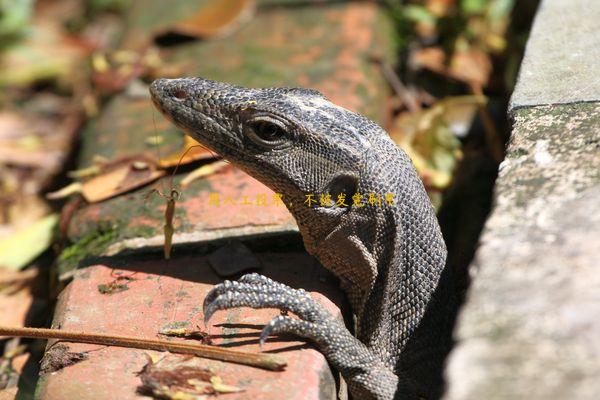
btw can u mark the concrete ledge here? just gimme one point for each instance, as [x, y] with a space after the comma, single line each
[530, 326]
[562, 58]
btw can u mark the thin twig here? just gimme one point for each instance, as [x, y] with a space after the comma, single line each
[397, 85]
[259, 360]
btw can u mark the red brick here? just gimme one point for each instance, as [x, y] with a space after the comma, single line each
[172, 292]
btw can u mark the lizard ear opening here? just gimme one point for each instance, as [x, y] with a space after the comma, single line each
[341, 188]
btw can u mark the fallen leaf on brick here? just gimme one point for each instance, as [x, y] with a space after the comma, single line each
[176, 377]
[59, 357]
[220, 387]
[64, 192]
[121, 178]
[190, 151]
[216, 18]
[203, 171]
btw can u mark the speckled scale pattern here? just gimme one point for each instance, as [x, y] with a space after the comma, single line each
[389, 258]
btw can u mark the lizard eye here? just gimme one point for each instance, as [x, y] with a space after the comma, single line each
[267, 133]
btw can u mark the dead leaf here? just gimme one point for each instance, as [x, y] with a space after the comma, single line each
[47, 52]
[22, 247]
[120, 177]
[472, 66]
[429, 137]
[220, 387]
[59, 357]
[176, 377]
[64, 192]
[190, 151]
[202, 172]
[216, 18]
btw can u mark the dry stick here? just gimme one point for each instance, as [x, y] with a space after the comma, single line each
[399, 88]
[259, 360]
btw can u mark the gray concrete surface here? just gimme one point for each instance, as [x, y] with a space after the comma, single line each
[530, 327]
[562, 59]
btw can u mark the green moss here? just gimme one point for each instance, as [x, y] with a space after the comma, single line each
[91, 246]
[516, 153]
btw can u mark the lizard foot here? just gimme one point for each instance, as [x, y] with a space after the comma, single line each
[257, 291]
[367, 376]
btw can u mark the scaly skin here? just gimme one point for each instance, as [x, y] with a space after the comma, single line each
[389, 257]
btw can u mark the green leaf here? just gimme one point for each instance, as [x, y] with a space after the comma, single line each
[14, 17]
[25, 245]
[473, 6]
[500, 9]
[418, 14]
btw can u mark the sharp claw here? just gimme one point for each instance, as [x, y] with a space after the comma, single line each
[214, 293]
[208, 313]
[266, 332]
[207, 301]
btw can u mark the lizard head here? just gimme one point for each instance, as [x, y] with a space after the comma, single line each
[293, 140]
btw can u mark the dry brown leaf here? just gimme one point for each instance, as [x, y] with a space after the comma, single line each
[472, 66]
[190, 151]
[217, 18]
[203, 171]
[432, 58]
[220, 387]
[120, 179]
[429, 137]
[176, 377]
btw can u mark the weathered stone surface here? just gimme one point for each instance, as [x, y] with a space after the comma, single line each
[562, 58]
[166, 295]
[530, 327]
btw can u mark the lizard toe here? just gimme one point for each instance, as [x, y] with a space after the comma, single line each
[285, 324]
[235, 294]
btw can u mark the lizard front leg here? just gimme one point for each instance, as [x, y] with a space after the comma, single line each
[365, 373]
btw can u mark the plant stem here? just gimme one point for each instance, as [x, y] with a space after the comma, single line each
[265, 361]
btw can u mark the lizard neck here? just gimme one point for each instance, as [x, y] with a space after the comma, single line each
[389, 258]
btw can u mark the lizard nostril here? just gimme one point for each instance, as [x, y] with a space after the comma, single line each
[180, 94]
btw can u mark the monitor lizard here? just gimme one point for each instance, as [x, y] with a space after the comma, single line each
[389, 257]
